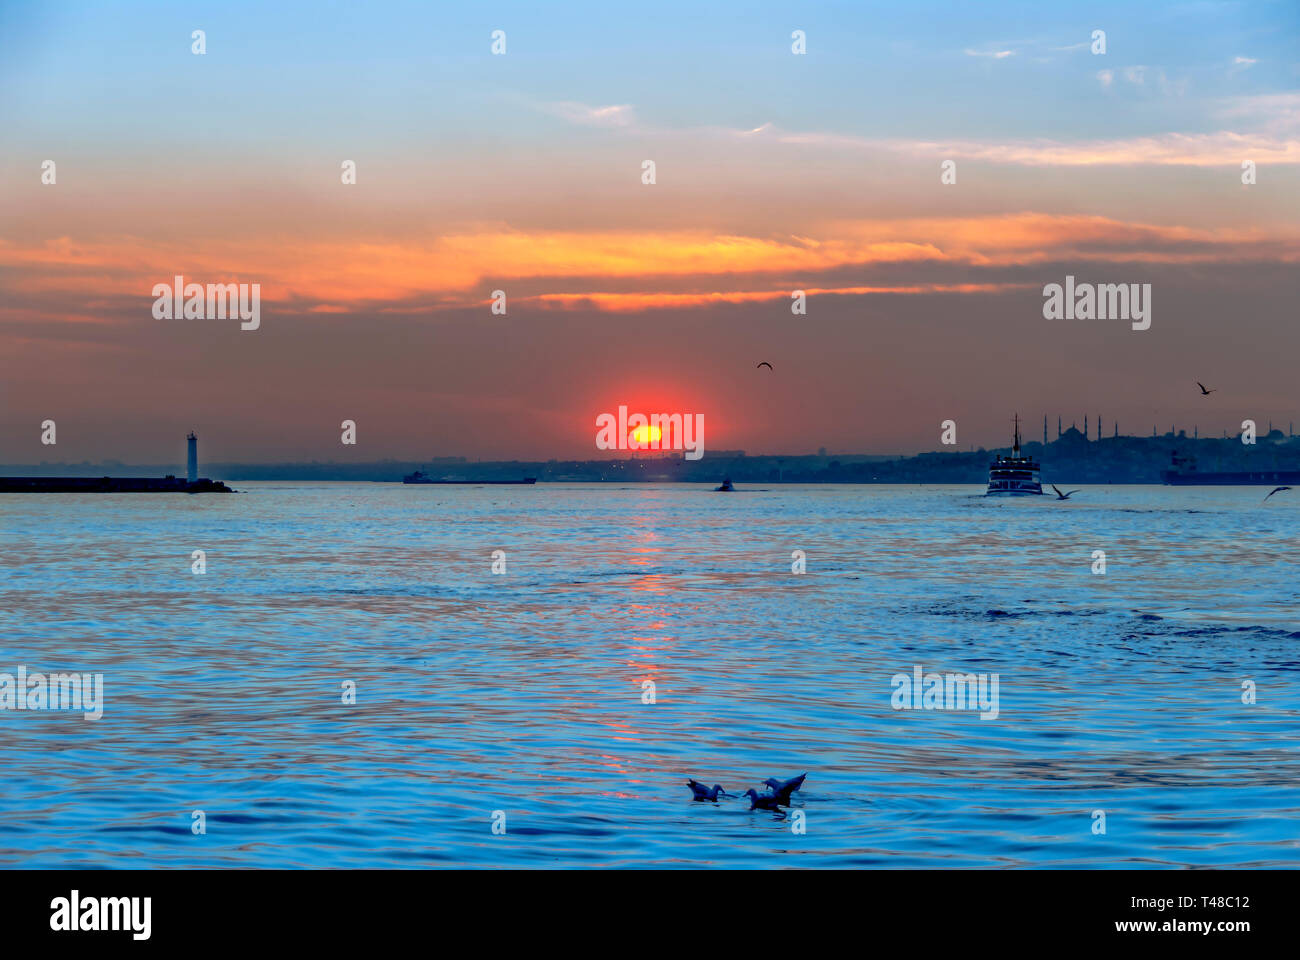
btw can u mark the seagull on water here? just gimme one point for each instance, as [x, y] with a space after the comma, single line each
[1204, 392]
[701, 792]
[762, 801]
[1273, 491]
[781, 789]
[1060, 495]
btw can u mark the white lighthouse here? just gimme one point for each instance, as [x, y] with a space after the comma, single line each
[192, 468]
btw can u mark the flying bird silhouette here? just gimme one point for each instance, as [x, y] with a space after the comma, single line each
[1060, 495]
[765, 364]
[1204, 392]
[1273, 491]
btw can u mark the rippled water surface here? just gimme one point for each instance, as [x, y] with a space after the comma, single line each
[523, 692]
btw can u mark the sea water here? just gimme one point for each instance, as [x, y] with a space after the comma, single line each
[349, 684]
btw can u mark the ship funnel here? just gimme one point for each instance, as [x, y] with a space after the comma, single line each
[192, 467]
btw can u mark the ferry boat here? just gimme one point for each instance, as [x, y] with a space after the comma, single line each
[1014, 476]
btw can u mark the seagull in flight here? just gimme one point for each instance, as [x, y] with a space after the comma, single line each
[1204, 392]
[1060, 495]
[1273, 491]
[765, 364]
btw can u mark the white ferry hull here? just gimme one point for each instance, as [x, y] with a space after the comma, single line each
[1024, 490]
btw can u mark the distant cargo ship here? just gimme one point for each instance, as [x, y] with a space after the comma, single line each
[1014, 476]
[1185, 474]
[421, 477]
[193, 483]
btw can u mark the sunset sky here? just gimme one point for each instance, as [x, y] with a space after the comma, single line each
[522, 172]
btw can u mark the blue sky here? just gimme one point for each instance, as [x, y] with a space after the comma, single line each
[906, 70]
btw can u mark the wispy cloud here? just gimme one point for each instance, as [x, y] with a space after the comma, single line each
[1139, 74]
[1240, 64]
[994, 54]
[1276, 113]
[1172, 88]
[615, 115]
[1169, 149]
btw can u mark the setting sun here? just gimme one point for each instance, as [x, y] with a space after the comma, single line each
[647, 434]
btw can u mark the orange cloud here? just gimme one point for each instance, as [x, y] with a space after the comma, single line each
[632, 302]
[460, 269]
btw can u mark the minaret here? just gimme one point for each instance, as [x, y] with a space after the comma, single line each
[1044, 429]
[1116, 429]
[192, 468]
[1099, 426]
[1058, 428]
[1085, 426]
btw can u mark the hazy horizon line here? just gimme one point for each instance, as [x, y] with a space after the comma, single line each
[655, 455]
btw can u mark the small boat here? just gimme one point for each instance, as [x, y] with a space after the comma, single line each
[421, 477]
[726, 487]
[1014, 476]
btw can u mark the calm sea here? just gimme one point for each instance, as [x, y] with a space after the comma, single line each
[523, 692]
